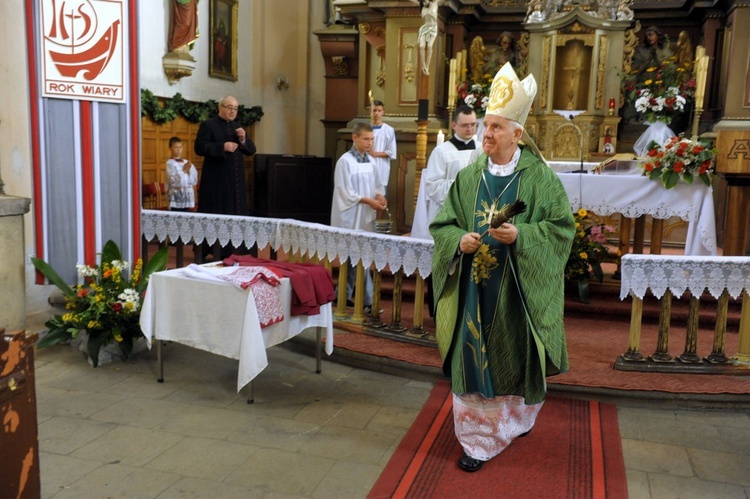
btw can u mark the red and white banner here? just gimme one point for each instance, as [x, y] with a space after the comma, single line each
[83, 49]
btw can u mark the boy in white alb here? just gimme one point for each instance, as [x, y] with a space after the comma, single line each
[384, 142]
[182, 178]
[357, 195]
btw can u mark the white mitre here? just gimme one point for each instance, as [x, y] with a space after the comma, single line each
[510, 97]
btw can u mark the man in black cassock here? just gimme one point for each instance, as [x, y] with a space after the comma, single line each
[223, 143]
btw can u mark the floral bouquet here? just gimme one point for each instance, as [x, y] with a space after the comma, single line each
[476, 94]
[587, 253]
[659, 92]
[679, 158]
[107, 305]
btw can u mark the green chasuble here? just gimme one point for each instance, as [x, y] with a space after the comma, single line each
[499, 311]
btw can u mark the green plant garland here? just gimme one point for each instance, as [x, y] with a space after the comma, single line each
[194, 112]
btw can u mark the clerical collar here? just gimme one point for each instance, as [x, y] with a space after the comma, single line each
[377, 127]
[506, 169]
[361, 156]
[463, 145]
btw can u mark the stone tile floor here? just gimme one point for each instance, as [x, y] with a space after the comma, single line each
[115, 432]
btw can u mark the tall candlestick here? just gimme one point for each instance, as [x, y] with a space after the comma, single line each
[440, 138]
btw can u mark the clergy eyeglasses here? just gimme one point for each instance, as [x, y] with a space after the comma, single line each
[230, 108]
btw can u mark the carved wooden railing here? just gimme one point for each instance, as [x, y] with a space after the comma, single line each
[388, 255]
[667, 277]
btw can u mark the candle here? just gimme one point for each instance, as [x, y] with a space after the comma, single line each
[700, 51]
[611, 107]
[440, 138]
[452, 83]
[701, 70]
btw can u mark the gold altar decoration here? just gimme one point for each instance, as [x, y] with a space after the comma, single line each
[578, 55]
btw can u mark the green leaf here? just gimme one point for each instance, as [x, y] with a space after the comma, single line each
[156, 263]
[597, 267]
[583, 289]
[58, 336]
[96, 340]
[111, 252]
[687, 177]
[52, 276]
[670, 179]
[706, 178]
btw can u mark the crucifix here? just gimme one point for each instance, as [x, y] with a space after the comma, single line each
[575, 78]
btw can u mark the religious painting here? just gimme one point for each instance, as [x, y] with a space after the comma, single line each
[223, 39]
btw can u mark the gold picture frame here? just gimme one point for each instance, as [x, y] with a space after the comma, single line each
[223, 39]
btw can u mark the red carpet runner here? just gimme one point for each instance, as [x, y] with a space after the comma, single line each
[574, 451]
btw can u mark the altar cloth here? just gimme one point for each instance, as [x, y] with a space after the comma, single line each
[220, 318]
[636, 195]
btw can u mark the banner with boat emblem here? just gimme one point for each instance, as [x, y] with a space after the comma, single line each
[83, 46]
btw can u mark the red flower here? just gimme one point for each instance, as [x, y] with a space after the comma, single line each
[698, 149]
[648, 167]
[117, 307]
[678, 166]
[653, 152]
[83, 293]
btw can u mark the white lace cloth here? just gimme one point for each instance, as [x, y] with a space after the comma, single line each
[680, 273]
[292, 235]
[636, 195]
[631, 195]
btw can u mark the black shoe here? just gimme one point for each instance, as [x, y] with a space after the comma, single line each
[469, 464]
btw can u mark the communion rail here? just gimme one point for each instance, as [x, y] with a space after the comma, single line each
[401, 256]
[675, 276]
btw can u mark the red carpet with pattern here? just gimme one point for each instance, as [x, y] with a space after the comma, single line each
[573, 450]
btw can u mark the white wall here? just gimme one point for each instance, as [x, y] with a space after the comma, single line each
[274, 39]
[15, 153]
[153, 29]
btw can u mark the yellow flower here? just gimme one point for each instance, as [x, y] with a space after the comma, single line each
[582, 212]
[128, 306]
[92, 324]
[648, 82]
[117, 337]
[651, 69]
[68, 317]
[578, 225]
[659, 82]
[583, 255]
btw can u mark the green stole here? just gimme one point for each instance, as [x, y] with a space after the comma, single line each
[479, 296]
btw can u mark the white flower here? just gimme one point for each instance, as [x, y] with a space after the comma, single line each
[470, 99]
[85, 270]
[485, 100]
[641, 104]
[129, 295]
[120, 265]
[680, 103]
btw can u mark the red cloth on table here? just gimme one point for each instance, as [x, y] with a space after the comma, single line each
[312, 285]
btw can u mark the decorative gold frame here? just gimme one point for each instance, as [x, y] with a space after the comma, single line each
[222, 47]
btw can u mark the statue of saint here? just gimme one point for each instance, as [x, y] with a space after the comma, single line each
[653, 52]
[505, 52]
[684, 50]
[476, 58]
[183, 27]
